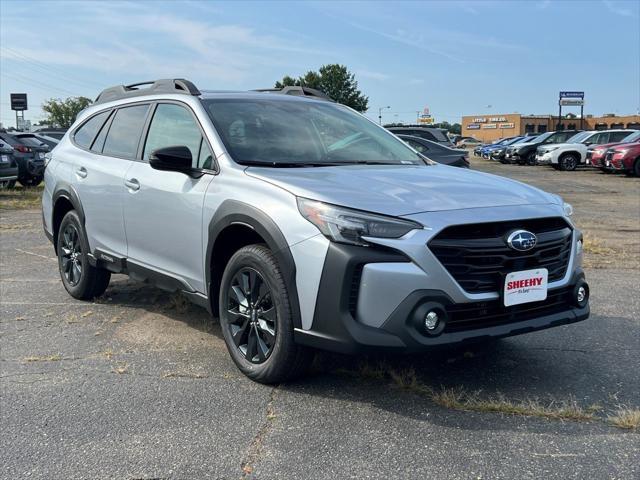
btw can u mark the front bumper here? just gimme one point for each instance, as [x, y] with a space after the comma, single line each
[545, 159]
[372, 299]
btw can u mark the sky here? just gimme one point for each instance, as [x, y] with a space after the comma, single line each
[454, 57]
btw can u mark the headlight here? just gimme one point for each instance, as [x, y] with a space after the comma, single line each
[47, 159]
[550, 149]
[568, 209]
[622, 152]
[349, 226]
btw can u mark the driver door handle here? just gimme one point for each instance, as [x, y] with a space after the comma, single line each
[132, 184]
[81, 172]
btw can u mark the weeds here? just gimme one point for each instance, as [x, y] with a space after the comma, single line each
[626, 418]
[20, 198]
[56, 357]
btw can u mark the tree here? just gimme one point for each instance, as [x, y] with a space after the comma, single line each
[62, 113]
[334, 80]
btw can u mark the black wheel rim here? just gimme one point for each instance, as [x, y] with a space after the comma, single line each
[71, 255]
[251, 315]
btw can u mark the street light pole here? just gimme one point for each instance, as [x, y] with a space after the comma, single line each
[380, 114]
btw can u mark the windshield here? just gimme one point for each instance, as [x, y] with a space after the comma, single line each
[284, 132]
[579, 137]
[513, 140]
[633, 137]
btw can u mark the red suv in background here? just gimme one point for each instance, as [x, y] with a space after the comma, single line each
[624, 157]
[596, 153]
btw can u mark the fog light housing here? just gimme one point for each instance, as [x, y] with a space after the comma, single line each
[581, 294]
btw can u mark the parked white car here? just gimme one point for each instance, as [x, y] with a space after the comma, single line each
[567, 156]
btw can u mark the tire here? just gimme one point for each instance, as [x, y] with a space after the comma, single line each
[568, 162]
[636, 167]
[33, 181]
[258, 325]
[555, 166]
[531, 159]
[79, 278]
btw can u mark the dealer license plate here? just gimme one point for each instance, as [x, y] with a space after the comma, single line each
[4, 158]
[525, 286]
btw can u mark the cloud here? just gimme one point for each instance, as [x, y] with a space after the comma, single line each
[614, 7]
[372, 75]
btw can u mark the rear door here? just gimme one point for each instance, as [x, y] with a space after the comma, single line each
[110, 142]
[163, 209]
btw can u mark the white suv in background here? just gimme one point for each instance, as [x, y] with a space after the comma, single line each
[567, 156]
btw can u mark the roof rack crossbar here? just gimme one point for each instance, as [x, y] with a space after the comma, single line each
[298, 91]
[165, 85]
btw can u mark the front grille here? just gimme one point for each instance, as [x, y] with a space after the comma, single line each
[609, 156]
[478, 258]
[469, 316]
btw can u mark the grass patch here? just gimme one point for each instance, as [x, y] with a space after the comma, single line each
[21, 198]
[626, 418]
[594, 246]
[56, 357]
[460, 399]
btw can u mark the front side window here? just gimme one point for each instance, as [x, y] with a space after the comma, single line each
[287, 132]
[173, 125]
[124, 133]
[86, 133]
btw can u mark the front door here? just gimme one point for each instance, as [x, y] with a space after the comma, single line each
[163, 210]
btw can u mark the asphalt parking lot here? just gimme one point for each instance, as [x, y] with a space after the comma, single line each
[138, 384]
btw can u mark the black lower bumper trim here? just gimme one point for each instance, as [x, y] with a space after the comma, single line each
[335, 328]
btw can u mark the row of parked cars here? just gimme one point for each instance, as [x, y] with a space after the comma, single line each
[22, 156]
[609, 150]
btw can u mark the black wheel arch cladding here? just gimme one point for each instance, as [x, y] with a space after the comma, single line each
[234, 212]
[64, 192]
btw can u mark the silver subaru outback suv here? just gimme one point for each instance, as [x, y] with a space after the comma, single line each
[303, 225]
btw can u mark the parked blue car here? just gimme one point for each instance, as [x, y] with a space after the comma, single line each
[485, 152]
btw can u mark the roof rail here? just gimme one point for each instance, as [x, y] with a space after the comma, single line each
[298, 91]
[165, 85]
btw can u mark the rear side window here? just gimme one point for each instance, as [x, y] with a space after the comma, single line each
[417, 146]
[86, 133]
[124, 133]
[617, 136]
[173, 125]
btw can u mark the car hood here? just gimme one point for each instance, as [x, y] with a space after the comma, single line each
[524, 144]
[403, 189]
[555, 146]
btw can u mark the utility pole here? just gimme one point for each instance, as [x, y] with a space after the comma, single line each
[380, 114]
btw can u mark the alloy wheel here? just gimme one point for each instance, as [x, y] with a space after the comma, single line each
[251, 315]
[71, 255]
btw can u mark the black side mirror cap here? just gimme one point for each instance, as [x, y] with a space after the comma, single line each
[173, 159]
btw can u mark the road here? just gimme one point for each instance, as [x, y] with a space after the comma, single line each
[138, 384]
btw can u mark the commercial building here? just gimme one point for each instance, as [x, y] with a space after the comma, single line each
[492, 127]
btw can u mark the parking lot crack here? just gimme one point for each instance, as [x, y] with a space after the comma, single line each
[256, 448]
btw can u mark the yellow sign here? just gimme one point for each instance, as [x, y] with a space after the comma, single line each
[428, 120]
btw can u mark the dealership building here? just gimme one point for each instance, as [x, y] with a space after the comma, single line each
[492, 127]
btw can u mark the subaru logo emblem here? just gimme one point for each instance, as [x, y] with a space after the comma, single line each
[522, 240]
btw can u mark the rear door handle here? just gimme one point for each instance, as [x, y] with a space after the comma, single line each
[132, 184]
[81, 172]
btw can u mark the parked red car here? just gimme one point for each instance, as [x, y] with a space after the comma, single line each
[596, 153]
[624, 157]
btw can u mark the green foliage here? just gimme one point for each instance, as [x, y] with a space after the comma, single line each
[334, 80]
[62, 113]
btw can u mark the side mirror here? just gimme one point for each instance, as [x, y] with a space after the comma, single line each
[172, 159]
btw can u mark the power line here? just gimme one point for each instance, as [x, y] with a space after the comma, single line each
[38, 84]
[48, 69]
